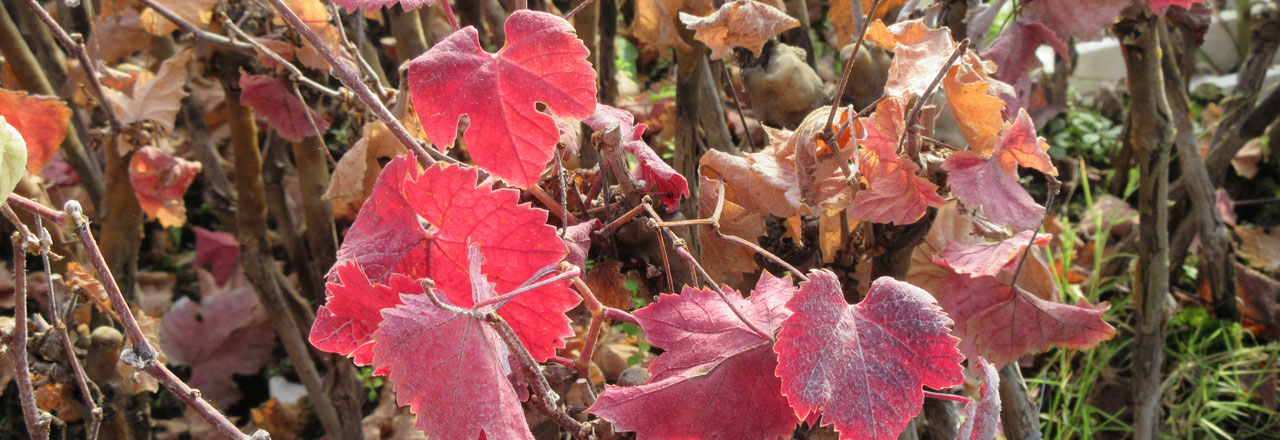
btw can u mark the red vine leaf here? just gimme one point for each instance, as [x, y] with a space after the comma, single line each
[419, 224]
[1015, 52]
[352, 311]
[742, 23]
[1083, 19]
[716, 378]
[990, 258]
[919, 53]
[220, 251]
[983, 415]
[227, 333]
[651, 168]
[287, 114]
[450, 368]
[159, 180]
[992, 183]
[862, 366]
[42, 121]
[543, 61]
[897, 193]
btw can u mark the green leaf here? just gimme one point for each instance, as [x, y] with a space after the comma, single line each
[13, 158]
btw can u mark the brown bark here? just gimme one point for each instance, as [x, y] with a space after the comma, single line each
[1019, 416]
[1203, 218]
[262, 270]
[608, 83]
[218, 191]
[1229, 138]
[1151, 133]
[321, 236]
[121, 223]
[799, 37]
[406, 26]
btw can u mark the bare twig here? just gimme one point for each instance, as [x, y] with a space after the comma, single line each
[572, 272]
[751, 140]
[37, 209]
[848, 71]
[552, 205]
[542, 396]
[37, 426]
[351, 78]
[294, 72]
[95, 413]
[355, 53]
[196, 31]
[142, 355]
[75, 45]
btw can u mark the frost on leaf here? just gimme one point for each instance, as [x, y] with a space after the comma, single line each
[1004, 323]
[543, 61]
[13, 158]
[418, 224]
[651, 168]
[992, 183]
[982, 417]
[275, 100]
[227, 333]
[407, 5]
[352, 311]
[42, 122]
[219, 250]
[716, 377]
[1083, 19]
[742, 23]
[896, 192]
[862, 366]
[450, 368]
[159, 180]
[155, 98]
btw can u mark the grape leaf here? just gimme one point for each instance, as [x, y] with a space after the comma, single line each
[992, 183]
[651, 168]
[450, 368]
[722, 259]
[1160, 6]
[543, 61]
[841, 16]
[42, 122]
[1015, 52]
[919, 53]
[220, 251]
[288, 115]
[407, 5]
[577, 240]
[352, 311]
[949, 225]
[1001, 323]
[1083, 19]
[897, 194]
[418, 224]
[227, 333]
[155, 98]
[742, 23]
[13, 158]
[862, 366]
[716, 378]
[990, 258]
[982, 417]
[978, 113]
[159, 180]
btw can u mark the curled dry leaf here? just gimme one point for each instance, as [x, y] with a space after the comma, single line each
[543, 61]
[1261, 249]
[783, 89]
[357, 171]
[978, 112]
[724, 260]
[716, 377]
[155, 98]
[861, 366]
[41, 123]
[285, 112]
[159, 180]
[671, 186]
[656, 22]
[316, 15]
[919, 53]
[742, 23]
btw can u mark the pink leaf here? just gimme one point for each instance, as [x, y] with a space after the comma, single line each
[992, 183]
[577, 239]
[543, 61]
[1003, 324]
[345, 324]
[862, 366]
[652, 169]
[716, 378]
[898, 194]
[220, 251]
[983, 416]
[159, 180]
[407, 5]
[1015, 52]
[287, 114]
[990, 258]
[1083, 19]
[227, 333]
[451, 369]
[391, 235]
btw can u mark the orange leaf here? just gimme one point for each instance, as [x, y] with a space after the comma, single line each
[159, 180]
[42, 120]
